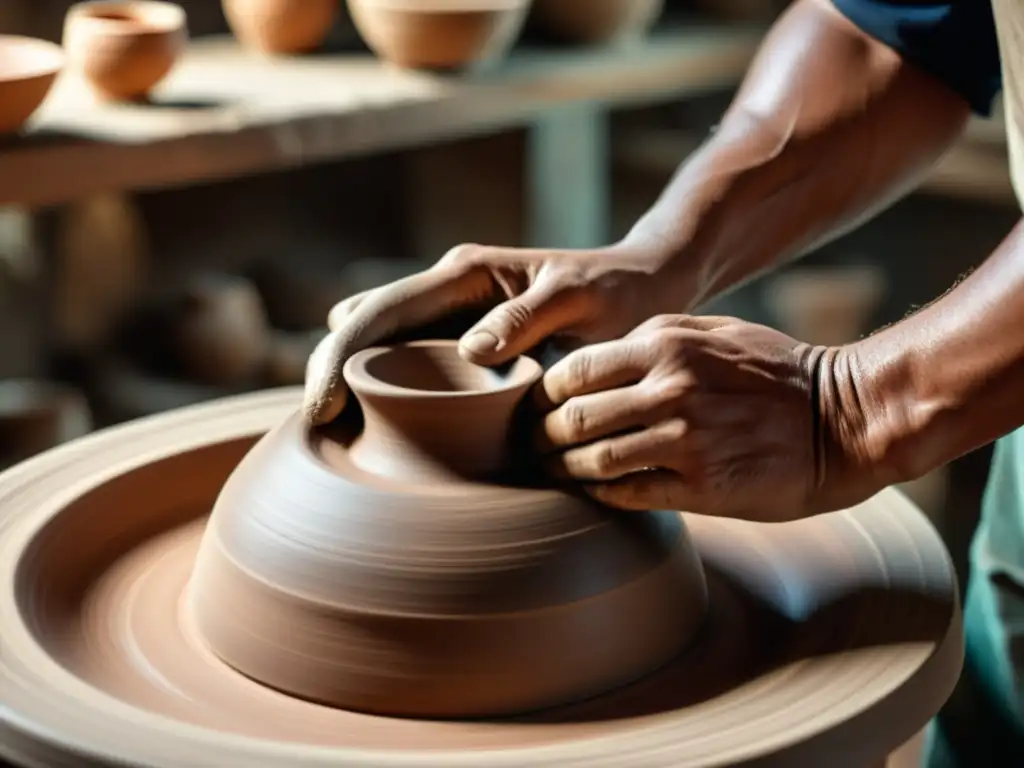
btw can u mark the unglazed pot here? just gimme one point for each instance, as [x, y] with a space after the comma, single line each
[124, 48]
[281, 26]
[401, 570]
[597, 21]
[439, 34]
[28, 68]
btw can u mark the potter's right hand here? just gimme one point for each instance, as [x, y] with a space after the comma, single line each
[579, 296]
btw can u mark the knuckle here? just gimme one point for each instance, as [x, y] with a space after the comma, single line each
[664, 343]
[606, 459]
[514, 314]
[575, 422]
[463, 255]
[672, 389]
[676, 429]
[578, 368]
[657, 323]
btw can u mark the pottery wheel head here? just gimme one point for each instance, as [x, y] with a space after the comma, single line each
[395, 569]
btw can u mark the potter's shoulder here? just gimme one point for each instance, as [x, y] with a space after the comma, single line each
[955, 40]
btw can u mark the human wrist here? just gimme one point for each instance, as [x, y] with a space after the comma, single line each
[874, 411]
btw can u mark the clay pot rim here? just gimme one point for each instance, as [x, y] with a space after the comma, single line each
[36, 397]
[36, 58]
[444, 6]
[143, 17]
[355, 372]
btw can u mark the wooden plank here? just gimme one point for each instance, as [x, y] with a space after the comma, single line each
[225, 113]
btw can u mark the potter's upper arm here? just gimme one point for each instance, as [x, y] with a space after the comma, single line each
[954, 40]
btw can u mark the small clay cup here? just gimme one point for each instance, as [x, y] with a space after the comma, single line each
[439, 34]
[124, 48]
[396, 568]
[280, 26]
[36, 416]
[596, 22]
[28, 68]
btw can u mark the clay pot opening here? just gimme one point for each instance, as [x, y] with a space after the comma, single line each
[425, 368]
[429, 414]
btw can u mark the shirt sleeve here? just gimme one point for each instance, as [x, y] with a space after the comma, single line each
[954, 40]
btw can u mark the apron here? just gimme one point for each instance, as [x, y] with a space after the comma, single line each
[982, 725]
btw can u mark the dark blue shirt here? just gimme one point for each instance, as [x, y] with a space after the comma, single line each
[953, 40]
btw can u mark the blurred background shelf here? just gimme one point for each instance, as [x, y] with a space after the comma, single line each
[225, 113]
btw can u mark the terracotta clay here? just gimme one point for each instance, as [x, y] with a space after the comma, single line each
[28, 68]
[597, 21]
[281, 26]
[439, 34]
[124, 48]
[828, 641]
[384, 572]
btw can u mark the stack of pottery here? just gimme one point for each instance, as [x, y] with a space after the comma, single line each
[28, 68]
[596, 22]
[124, 48]
[281, 26]
[439, 34]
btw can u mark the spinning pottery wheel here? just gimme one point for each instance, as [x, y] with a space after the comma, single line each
[829, 640]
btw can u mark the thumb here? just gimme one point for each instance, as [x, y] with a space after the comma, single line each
[546, 308]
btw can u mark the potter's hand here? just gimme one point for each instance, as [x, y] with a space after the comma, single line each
[531, 295]
[705, 414]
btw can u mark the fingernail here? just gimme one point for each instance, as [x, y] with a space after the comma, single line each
[480, 343]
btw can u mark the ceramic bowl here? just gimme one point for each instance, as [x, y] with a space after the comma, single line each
[281, 26]
[596, 22]
[28, 68]
[124, 48]
[439, 34]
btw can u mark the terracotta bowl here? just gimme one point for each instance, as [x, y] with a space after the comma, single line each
[439, 34]
[399, 568]
[124, 48]
[281, 26]
[28, 68]
[597, 21]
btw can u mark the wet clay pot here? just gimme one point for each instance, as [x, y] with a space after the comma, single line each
[124, 48]
[399, 569]
[281, 26]
[28, 68]
[593, 22]
[439, 34]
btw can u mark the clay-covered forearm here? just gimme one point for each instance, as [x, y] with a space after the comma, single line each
[942, 382]
[829, 127]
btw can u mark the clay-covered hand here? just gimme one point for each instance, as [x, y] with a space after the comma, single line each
[531, 295]
[705, 414]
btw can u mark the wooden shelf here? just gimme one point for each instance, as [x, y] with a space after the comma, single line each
[225, 112]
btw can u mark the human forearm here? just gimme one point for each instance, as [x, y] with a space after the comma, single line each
[942, 382]
[829, 127]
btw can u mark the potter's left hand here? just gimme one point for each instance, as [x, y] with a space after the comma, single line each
[706, 414]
